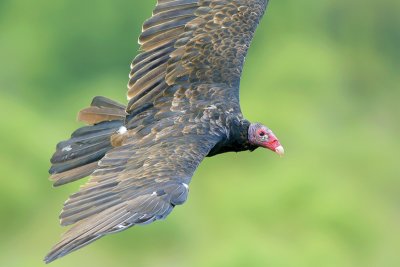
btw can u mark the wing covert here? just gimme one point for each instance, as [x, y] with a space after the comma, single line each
[137, 183]
[193, 41]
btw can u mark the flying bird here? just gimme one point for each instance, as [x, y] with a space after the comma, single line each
[183, 106]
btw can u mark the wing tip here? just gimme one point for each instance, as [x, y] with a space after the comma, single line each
[47, 260]
[51, 256]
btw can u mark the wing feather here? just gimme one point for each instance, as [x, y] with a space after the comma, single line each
[193, 41]
[132, 186]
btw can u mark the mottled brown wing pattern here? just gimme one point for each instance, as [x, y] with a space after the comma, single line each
[143, 179]
[214, 45]
[188, 41]
[137, 183]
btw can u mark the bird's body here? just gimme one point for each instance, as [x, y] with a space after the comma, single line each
[183, 106]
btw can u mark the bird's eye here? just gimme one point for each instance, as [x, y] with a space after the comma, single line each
[262, 134]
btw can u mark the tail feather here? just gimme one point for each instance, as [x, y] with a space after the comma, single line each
[101, 101]
[94, 129]
[78, 157]
[102, 109]
[70, 164]
[89, 140]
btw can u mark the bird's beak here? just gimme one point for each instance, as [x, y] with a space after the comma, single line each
[280, 151]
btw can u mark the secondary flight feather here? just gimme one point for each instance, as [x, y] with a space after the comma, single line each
[183, 105]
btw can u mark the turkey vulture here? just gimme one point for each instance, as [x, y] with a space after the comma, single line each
[183, 106]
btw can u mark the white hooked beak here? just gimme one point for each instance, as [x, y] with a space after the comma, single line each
[280, 151]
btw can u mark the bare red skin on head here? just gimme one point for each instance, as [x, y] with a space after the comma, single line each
[261, 136]
[272, 142]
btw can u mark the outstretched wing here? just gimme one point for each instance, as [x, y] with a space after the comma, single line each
[148, 174]
[137, 183]
[193, 41]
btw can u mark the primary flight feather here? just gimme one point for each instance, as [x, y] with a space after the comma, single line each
[183, 105]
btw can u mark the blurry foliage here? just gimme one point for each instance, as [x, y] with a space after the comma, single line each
[323, 74]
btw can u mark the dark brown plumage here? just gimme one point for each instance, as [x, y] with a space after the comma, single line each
[184, 106]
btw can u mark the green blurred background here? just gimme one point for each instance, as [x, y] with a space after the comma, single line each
[324, 75]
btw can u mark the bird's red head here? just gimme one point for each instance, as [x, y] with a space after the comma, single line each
[260, 135]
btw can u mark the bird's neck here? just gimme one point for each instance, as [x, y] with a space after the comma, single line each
[237, 139]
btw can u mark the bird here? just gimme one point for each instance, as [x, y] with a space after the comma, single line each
[183, 105]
